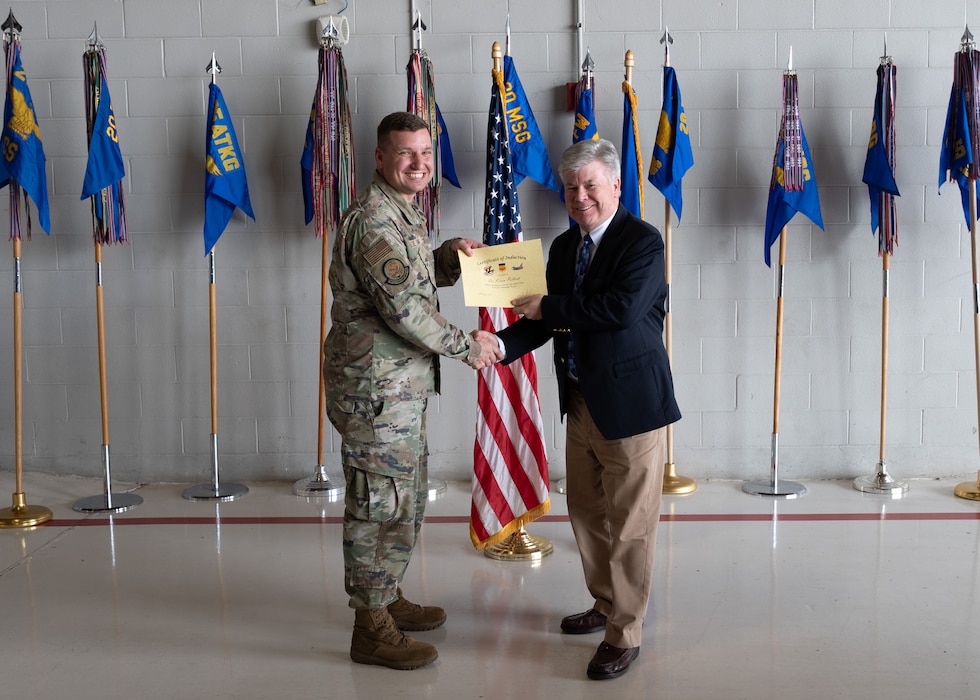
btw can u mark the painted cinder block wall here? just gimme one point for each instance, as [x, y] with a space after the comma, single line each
[729, 57]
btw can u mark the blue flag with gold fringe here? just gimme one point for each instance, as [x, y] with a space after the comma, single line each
[225, 183]
[631, 165]
[529, 155]
[672, 155]
[24, 159]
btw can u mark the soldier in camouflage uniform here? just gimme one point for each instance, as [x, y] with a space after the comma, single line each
[381, 365]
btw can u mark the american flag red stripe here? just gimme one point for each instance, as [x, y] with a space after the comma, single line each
[510, 465]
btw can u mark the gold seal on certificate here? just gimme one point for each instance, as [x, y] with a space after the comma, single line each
[498, 274]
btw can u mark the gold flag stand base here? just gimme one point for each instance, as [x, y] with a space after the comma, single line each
[677, 485]
[520, 547]
[969, 489]
[22, 515]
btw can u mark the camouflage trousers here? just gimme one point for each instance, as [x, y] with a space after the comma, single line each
[385, 459]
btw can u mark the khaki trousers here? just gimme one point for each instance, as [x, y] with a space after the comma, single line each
[614, 491]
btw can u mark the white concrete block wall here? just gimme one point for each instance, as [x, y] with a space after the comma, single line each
[729, 57]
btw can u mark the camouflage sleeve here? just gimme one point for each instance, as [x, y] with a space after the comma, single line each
[404, 296]
[447, 265]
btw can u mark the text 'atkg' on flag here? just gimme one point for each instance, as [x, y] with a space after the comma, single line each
[510, 467]
[23, 161]
[672, 155]
[793, 188]
[529, 155]
[225, 182]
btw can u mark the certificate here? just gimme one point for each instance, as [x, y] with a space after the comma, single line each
[498, 274]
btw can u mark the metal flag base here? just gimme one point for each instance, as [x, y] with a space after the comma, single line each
[882, 483]
[22, 515]
[776, 489]
[969, 489]
[520, 547]
[319, 486]
[437, 487]
[677, 485]
[215, 491]
[108, 501]
[561, 486]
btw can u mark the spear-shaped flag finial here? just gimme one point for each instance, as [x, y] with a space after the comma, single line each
[213, 68]
[666, 40]
[94, 40]
[11, 26]
[967, 42]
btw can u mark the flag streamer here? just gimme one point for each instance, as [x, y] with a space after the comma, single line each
[510, 477]
[422, 102]
[327, 164]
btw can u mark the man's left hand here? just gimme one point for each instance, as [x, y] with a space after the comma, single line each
[466, 245]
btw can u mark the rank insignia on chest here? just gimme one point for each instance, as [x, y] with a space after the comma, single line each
[395, 271]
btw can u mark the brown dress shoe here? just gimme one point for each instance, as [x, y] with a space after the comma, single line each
[611, 662]
[584, 623]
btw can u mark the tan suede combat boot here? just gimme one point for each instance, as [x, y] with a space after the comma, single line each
[377, 641]
[411, 617]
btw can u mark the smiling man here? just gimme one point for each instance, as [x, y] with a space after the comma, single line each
[605, 312]
[381, 363]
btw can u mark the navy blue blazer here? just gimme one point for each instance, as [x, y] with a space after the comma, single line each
[616, 320]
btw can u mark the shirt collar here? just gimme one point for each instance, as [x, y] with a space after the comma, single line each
[596, 233]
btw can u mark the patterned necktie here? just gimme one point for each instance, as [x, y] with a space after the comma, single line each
[581, 267]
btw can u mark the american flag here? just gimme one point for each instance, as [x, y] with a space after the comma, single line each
[510, 467]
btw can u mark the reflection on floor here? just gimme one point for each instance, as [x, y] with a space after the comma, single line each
[836, 594]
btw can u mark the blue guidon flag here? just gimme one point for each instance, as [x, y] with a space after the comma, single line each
[793, 188]
[23, 153]
[225, 183]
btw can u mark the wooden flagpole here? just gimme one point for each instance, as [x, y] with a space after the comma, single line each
[971, 489]
[107, 501]
[881, 481]
[215, 491]
[19, 514]
[773, 487]
[673, 484]
[320, 485]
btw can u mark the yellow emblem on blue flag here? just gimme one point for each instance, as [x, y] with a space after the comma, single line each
[23, 153]
[225, 183]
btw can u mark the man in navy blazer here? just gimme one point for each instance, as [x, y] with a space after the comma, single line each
[614, 385]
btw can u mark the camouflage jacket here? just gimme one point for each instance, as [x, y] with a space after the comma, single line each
[386, 331]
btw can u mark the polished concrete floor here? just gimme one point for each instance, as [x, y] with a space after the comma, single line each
[836, 594]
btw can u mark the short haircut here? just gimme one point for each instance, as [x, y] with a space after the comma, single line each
[584, 152]
[399, 121]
